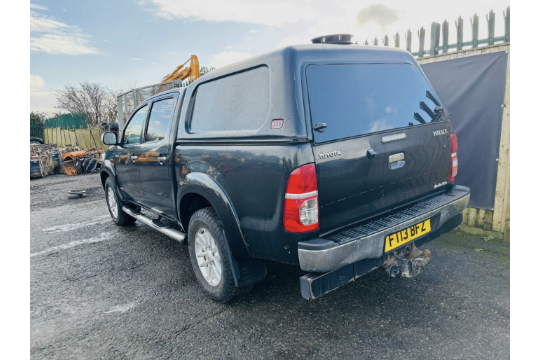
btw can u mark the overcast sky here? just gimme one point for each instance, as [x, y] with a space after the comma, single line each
[121, 43]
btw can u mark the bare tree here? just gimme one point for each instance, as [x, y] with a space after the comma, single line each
[94, 100]
[205, 70]
[202, 71]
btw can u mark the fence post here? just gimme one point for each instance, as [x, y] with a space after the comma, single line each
[491, 27]
[507, 25]
[459, 28]
[83, 137]
[434, 40]
[474, 24]
[408, 39]
[74, 133]
[445, 37]
[421, 39]
[385, 40]
[119, 111]
[366, 42]
[92, 138]
[396, 40]
[375, 42]
[134, 99]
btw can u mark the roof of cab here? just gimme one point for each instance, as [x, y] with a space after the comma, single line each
[314, 52]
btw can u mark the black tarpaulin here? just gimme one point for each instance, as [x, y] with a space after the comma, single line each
[472, 89]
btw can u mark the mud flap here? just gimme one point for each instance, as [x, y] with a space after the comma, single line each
[247, 271]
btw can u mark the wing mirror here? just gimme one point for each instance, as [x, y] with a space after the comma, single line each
[109, 138]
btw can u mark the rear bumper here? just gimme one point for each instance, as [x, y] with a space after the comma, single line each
[367, 240]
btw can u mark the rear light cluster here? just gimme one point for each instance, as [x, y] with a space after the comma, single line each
[301, 211]
[454, 160]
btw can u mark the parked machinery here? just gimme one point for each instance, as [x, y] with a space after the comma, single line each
[182, 73]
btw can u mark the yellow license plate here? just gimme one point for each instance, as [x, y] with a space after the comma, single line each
[404, 236]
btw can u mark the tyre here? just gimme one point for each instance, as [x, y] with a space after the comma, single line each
[209, 255]
[118, 215]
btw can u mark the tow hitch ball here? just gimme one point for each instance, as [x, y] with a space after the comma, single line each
[407, 262]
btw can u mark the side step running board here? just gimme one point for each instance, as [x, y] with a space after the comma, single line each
[170, 232]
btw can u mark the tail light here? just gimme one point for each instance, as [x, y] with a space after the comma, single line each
[454, 160]
[301, 211]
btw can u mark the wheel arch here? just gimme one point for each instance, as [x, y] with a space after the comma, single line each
[200, 190]
[107, 170]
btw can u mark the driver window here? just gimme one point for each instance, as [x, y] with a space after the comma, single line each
[133, 132]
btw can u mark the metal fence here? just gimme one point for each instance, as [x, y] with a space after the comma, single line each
[441, 32]
[128, 101]
[36, 130]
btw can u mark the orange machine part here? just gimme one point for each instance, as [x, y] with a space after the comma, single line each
[74, 155]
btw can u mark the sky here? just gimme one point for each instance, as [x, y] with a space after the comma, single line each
[132, 43]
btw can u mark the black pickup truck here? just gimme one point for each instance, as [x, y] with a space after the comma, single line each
[337, 158]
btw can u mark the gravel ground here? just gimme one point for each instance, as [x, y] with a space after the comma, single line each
[99, 291]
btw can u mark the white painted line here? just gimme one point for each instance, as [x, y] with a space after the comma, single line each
[122, 308]
[101, 237]
[70, 227]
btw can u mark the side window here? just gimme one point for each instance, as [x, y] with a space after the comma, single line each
[133, 132]
[160, 119]
[235, 103]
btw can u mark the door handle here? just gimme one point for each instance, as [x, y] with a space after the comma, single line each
[320, 127]
[371, 153]
[161, 159]
[134, 158]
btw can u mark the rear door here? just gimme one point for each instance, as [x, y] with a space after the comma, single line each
[375, 152]
[155, 163]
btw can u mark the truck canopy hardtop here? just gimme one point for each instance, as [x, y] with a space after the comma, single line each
[272, 86]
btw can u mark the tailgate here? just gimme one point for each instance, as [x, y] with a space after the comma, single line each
[385, 142]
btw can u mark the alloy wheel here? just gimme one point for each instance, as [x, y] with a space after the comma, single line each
[208, 257]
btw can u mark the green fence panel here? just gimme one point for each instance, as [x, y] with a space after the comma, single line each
[67, 120]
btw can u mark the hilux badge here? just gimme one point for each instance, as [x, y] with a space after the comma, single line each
[440, 132]
[329, 154]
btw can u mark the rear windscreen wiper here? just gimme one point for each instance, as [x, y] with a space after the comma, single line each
[418, 118]
[432, 98]
[426, 108]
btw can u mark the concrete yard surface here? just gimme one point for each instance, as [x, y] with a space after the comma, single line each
[99, 291]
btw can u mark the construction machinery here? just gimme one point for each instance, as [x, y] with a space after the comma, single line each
[182, 73]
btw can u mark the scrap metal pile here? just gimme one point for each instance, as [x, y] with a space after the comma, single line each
[43, 160]
[49, 159]
[82, 161]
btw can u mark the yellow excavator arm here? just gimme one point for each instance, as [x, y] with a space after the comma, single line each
[182, 73]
